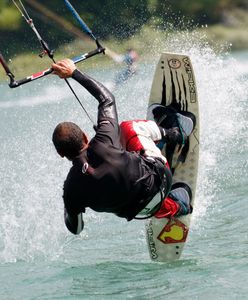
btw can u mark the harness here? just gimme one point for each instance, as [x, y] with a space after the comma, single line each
[146, 207]
[154, 202]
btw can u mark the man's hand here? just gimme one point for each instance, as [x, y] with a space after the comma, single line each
[64, 68]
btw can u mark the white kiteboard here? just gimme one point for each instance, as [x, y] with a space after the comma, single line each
[174, 84]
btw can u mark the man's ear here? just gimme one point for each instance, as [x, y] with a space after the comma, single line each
[86, 140]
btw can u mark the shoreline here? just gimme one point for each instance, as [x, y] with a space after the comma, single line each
[219, 37]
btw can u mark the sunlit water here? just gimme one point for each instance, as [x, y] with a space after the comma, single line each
[40, 259]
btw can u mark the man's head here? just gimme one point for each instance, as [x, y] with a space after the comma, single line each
[69, 140]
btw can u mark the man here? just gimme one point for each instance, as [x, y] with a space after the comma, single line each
[129, 59]
[105, 177]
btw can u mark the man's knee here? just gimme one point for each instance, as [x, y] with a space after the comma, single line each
[130, 137]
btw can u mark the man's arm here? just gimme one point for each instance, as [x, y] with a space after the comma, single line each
[108, 131]
[74, 223]
[119, 58]
[107, 108]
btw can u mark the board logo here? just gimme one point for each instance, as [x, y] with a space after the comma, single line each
[152, 246]
[174, 63]
[173, 232]
[192, 87]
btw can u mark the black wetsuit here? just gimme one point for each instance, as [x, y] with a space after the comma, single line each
[105, 177]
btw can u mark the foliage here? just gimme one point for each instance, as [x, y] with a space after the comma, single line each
[9, 17]
[107, 18]
[199, 11]
[115, 18]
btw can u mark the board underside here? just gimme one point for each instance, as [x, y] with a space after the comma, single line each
[174, 84]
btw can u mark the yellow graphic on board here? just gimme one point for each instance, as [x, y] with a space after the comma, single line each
[173, 232]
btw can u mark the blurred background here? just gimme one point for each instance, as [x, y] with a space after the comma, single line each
[119, 25]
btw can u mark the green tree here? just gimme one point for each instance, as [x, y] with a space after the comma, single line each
[199, 11]
[107, 17]
[10, 19]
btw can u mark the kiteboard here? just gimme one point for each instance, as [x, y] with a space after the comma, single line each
[174, 84]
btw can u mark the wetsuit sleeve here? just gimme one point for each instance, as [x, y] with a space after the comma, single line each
[107, 107]
[74, 223]
[107, 131]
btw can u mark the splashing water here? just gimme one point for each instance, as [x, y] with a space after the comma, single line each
[31, 174]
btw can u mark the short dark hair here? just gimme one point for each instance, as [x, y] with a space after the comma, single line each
[68, 139]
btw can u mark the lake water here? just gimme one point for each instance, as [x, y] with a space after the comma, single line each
[40, 259]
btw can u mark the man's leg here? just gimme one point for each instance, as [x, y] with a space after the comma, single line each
[140, 136]
[178, 202]
[175, 127]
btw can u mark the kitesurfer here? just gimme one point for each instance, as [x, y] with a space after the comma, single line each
[120, 170]
[129, 60]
